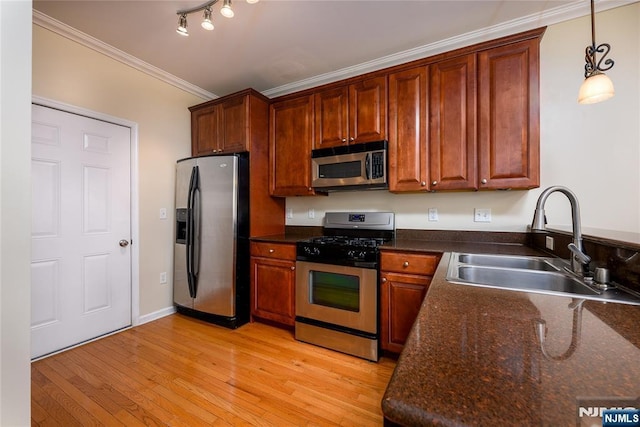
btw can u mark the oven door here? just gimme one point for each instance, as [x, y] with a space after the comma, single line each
[339, 295]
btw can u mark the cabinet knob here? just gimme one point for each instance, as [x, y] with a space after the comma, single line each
[384, 280]
[220, 150]
[484, 180]
[352, 139]
[293, 268]
[405, 264]
[423, 184]
[344, 139]
[271, 251]
[434, 183]
[214, 150]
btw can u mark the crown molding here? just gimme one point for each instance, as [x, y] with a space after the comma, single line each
[60, 28]
[556, 15]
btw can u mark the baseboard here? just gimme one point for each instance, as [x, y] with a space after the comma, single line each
[156, 315]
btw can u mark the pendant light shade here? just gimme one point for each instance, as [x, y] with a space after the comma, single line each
[596, 88]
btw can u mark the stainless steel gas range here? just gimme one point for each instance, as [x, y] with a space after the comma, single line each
[337, 283]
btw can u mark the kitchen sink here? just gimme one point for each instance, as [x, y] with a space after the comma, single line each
[544, 275]
[519, 262]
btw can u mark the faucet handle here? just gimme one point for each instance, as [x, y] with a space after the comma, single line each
[579, 254]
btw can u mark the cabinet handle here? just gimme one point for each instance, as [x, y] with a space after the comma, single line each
[424, 184]
[483, 180]
[384, 280]
[293, 268]
[271, 251]
[405, 264]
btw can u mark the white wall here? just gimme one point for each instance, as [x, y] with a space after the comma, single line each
[592, 149]
[68, 72]
[15, 204]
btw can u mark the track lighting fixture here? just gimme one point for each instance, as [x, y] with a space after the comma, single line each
[182, 25]
[226, 10]
[596, 86]
[207, 23]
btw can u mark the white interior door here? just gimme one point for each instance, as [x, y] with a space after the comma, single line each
[81, 228]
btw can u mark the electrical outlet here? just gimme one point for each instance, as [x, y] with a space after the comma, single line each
[482, 215]
[433, 214]
[548, 243]
[163, 213]
[289, 213]
[163, 277]
[312, 213]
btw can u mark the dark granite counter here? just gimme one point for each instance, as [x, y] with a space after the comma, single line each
[473, 357]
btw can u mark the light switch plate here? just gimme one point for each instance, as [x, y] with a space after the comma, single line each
[482, 215]
[433, 214]
[312, 213]
[548, 243]
[163, 213]
[289, 213]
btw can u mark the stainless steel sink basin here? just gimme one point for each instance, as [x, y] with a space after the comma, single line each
[529, 274]
[520, 262]
[523, 280]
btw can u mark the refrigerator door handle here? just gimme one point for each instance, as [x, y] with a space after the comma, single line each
[191, 236]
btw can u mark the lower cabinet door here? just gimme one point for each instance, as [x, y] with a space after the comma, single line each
[401, 296]
[272, 290]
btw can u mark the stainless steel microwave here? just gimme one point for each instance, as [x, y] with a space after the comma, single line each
[351, 167]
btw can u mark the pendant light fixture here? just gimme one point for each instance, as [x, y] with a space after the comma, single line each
[597, 86]
[207, 23]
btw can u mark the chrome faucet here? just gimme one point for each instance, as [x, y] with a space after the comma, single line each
[579, 259]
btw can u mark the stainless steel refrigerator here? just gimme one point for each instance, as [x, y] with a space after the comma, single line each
[211, 256]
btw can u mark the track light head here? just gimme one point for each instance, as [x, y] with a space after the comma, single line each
[206, 21]
[226, 10]
[182, 25]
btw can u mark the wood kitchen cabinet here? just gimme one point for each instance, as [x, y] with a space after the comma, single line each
[351, 114]
[404, 281]
[408, 129]
[273, 279]
[224, 125]
[509, 116]
[467, 120]
[290, 141]
[452, 124]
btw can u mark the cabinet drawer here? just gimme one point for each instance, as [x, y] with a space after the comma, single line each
[273, 250]
[411, 263]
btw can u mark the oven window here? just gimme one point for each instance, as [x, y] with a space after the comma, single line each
[335, 290]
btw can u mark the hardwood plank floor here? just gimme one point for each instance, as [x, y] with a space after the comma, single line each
[180, 371]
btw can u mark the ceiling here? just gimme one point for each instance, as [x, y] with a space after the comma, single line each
[279, 46]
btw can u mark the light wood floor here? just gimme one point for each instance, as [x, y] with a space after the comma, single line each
[180, 371]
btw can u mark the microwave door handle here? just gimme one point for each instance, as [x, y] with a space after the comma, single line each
[367, 166]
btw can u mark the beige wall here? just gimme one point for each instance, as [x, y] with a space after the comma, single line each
[592, 149]
[15, 201]
[68, 72]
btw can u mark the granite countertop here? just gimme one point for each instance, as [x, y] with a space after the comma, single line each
[473, 358]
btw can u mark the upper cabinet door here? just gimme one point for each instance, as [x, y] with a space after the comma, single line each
[452, 112]
[204, 130]
[509, 116]
[408, 130]
[290, 140]
[332, 117]
[368, 110]
[234, 125]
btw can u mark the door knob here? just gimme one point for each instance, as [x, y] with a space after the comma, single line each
[124, 243]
